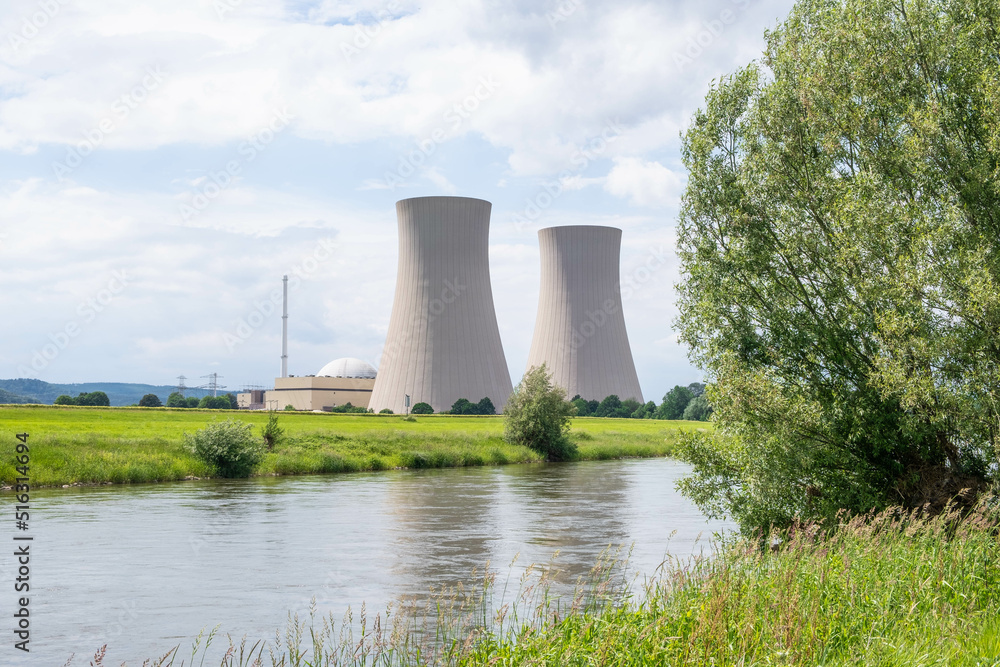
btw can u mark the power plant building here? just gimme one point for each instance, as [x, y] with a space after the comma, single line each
[443, 341]
[580, 330]
[340, 382]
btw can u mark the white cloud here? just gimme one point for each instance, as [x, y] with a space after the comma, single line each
[644, 183]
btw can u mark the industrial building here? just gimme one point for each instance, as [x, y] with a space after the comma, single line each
[340, 382]
[580, 330]
[443, 341]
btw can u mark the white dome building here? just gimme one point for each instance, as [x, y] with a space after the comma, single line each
[346, 380]
[347, 367]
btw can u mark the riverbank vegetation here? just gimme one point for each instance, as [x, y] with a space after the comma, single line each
[893, 589]
[839, 238]
[74, 445]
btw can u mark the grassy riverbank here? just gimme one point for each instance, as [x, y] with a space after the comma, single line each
[885, 591]
[71, 445]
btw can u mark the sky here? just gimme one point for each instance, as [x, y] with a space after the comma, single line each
[163, 163]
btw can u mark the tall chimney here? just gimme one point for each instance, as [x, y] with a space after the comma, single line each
[284, 327]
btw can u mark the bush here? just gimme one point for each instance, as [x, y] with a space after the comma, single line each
[150, 401]
[385, 411]
[229, 447]
[271, 432]
[289, 408]
[190, 402]
[422, 409]
[537, 416]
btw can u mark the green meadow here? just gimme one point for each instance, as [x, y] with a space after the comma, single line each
[74, 445]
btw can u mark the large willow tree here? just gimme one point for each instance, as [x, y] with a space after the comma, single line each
[840, 240]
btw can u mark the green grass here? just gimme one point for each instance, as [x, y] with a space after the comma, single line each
[72, 445]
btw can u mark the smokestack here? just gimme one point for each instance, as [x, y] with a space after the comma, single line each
[443, 342]
[284, 327]
[580, 330]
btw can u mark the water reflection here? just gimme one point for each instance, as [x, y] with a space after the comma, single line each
[144, 568]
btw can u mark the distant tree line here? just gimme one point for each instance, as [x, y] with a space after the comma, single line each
[84, 398]
[679, 403]
[177, 400]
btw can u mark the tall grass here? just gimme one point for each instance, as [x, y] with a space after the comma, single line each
[891, 589]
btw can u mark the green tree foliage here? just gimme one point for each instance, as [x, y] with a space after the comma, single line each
[214, 403]
[422, 409]
[645, 411]
[697, 410]
[840, 247]
[94, 398]
[229, 447]
[582, 408]
[233, 403]
[176, 400]
[674, 403]
[191, 402]
[538, 416]
[150, 401]
[464, 406]
[608, 407]
[271, 431]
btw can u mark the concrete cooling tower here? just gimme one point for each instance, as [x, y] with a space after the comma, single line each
[443, 342]
[580, 330]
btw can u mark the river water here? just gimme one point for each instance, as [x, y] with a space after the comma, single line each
[144, 568]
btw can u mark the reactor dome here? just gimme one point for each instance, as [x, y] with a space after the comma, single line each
[348, 367]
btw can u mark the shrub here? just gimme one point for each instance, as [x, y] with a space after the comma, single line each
[271, 432]
[289, 408]
[422, 409]
[385, 411]
[229, 447]
[537, 416]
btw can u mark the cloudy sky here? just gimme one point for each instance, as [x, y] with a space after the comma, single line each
[164, 162]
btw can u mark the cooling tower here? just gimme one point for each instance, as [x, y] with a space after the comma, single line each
[443, 342]
[580, 330]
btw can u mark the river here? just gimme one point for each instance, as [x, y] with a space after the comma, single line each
[144, 568]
